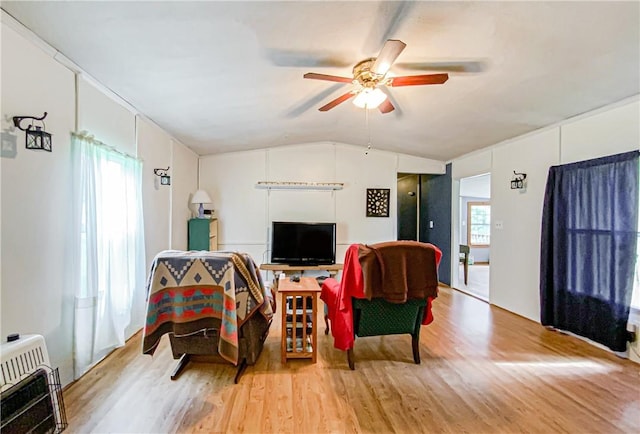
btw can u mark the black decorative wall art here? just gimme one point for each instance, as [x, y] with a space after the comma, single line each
[378, 202]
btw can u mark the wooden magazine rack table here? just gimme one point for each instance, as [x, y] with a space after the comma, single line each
[299, 303]
[300, 298]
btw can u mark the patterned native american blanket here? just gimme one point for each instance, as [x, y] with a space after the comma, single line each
[189, 291]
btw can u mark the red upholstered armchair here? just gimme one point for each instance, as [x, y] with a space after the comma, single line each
[386, 288]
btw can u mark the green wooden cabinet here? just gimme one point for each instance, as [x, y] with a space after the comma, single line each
[203, 234]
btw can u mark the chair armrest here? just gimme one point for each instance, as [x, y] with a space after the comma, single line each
[329, 293]
[330, 284]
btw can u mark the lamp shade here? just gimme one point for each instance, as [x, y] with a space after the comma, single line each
[200, 196]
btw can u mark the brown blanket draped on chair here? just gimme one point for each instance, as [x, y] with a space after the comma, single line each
[399, 270]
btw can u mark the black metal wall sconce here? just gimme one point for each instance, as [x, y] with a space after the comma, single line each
[517, 182]
[165, 179]
[35, 136]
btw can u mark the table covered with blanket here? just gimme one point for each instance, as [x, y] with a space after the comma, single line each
[189, 292]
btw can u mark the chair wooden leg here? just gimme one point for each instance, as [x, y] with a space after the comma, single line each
[415, 344]
[466, 269]
[352, 364]
[326, 324]
[241, 368]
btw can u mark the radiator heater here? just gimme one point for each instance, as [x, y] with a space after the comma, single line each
[31, 394]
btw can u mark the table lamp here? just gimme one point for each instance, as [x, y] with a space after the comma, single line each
[200, 197]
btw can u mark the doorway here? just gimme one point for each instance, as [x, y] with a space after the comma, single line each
[475, 235]
[408, 206]
[424, 213]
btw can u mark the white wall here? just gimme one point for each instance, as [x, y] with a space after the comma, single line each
[476, 186]
[36, 197]
[36, 191]
[104, 118]
[605, 133]
[473, 164]
[241, 209]
[245, 213]
[515, 249]
[184, 182]
[154, 148]
[418, 165]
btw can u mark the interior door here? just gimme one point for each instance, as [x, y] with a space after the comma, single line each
[408, 186]
[435, 217]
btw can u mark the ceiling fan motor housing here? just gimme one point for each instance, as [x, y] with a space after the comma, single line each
[363, 75]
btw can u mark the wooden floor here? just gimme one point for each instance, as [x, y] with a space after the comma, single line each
[483, 370]
[477, 281]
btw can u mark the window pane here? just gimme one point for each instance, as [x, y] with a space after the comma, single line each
[479, 224]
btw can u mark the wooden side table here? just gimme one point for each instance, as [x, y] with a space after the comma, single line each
[299, 303]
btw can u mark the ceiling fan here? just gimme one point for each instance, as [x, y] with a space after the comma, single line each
[370, 79]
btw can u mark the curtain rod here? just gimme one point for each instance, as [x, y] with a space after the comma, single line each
[85, 135]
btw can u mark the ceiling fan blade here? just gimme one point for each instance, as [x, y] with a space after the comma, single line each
[336, 101]
[389, 18]
[386, 106]
[397, 112]
[314, 101]
[389, 53]
[460, 66]
[306, 59]
[315, 76]
[417, 80]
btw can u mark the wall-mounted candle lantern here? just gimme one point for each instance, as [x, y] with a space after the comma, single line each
[517, 182]
[35, 135]
[165, 179]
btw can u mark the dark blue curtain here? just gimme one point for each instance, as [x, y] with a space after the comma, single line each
[588, 247]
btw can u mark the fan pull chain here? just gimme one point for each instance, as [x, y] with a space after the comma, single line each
[366, 117]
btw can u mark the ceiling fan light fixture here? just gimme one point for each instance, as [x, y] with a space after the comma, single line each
[370, 98]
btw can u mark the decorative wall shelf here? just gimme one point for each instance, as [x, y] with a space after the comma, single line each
[269, 185]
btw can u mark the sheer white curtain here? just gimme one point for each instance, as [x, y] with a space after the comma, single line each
[109, 265]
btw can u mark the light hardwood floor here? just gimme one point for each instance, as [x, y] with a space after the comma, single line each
[478, 281]
[484, 370]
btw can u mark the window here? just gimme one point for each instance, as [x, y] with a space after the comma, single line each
[109, 248]
[478, 224]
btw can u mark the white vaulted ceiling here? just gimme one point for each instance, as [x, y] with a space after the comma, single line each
[227, 76]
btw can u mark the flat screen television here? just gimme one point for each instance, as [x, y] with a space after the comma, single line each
[299, 243]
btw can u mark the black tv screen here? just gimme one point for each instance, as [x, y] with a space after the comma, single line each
[298, 243]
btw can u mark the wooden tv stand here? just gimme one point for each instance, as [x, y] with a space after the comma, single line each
[288, 270]
[333, 269]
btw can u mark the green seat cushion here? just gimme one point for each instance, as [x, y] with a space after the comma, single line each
[379, 317]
